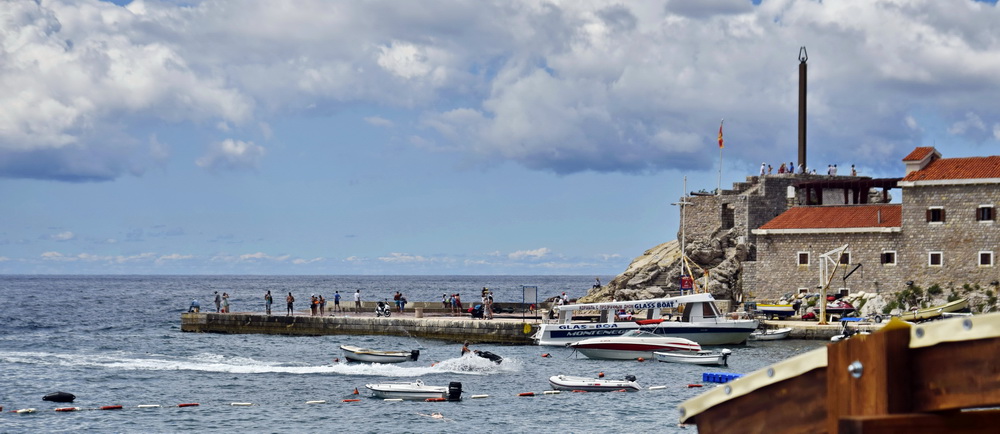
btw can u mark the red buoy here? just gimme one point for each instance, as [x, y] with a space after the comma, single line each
[546, 355]
[435, 400]
[526, 394]
[190, 404]
[111, 407]
[68, 409]
[600, 375]
[693, 385]
[355, 391]
[641, 359]
[351, 400]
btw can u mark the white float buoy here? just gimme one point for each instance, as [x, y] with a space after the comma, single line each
[148, 406]
[393, 400]
[316, 402]
[551, 392]
[657, 387]
[479, 396]
[241, 404]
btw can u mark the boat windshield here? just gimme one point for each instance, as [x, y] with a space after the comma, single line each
[639, 334]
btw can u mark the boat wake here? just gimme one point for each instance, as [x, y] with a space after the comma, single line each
[208, 362]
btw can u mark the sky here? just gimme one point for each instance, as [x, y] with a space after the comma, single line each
[447, 137]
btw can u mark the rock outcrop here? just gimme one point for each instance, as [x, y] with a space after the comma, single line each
[715, 263]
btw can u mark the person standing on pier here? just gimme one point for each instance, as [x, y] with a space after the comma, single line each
[357, 301]
[322, 305]
[336, 301]
[444, 301]
[267, 302]
[225, 302]
[218, 302]
[291, 301]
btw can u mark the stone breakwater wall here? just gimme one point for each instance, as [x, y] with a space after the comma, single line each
[451, 329]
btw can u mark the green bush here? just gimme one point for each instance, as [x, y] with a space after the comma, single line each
[934, 290]
[892, 304]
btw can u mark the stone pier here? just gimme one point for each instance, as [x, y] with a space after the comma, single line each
[501, 331]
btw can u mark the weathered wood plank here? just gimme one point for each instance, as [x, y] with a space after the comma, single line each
[916, 423]
[956, 375]
[795, 405]
[880, 385]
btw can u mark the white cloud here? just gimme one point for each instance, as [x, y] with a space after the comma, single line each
[307, 261]
[402, 258]
[231, 154]
[378, 121]
[972, 121]
[62, 236]
[529, 254]
[564, 87]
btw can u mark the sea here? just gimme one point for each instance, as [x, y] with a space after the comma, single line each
[116, 340]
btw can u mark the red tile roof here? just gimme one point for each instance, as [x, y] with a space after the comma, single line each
[957, 168]
[838, 217]
[919, 153]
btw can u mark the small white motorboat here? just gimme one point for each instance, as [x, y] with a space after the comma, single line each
[704, 358]
[632, 345]
[770, 334]
[568, 382]
[358, 354]
[416, 390]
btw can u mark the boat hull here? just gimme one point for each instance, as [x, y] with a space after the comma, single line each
[771, 335]
[409, 391]
[631, 348]
[728, 332]
[779, 311]
[716, 359]
[357, 354]
[936, 311]
[566, 382]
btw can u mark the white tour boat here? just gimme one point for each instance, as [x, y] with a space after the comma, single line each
[416, 390]
[701, 321]
[358, 354]
[631, 345]
[568, 382]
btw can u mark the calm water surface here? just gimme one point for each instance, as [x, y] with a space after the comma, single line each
[115, 340]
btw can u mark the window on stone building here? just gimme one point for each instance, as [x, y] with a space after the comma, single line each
[845, 258]
[803, 290]
[935, 215]
[935, 259]
[984, 213]
[803, 258]
[985, 259]
[888, 258]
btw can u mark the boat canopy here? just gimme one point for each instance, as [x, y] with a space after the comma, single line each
[654, 303]
[651, 306]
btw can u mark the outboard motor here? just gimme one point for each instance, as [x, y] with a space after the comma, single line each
[59, 397]
[414, 354]
[630, 377]
[454, 391]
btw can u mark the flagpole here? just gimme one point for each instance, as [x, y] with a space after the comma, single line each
[718, 192]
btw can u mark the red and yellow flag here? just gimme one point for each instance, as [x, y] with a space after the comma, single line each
[720, 134]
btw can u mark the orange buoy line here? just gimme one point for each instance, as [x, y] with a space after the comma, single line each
[526, 394]
[693, 385]
[435, 400]
[68, 409]
[351, 400]
[110, 407]
[190, 404]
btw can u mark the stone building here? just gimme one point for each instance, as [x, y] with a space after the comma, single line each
[943, 233]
